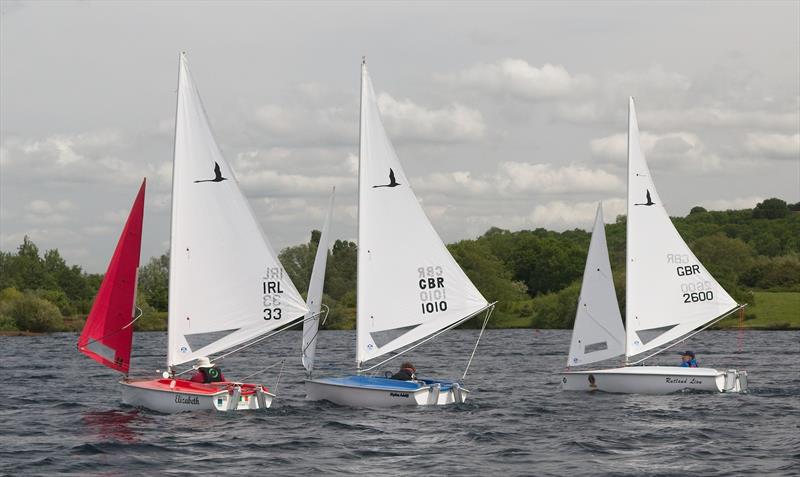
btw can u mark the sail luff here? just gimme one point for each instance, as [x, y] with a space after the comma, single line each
[107, 334]
[669, 292]
[315, 289]
[598, 333]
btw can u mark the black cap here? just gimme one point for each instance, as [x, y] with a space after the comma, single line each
[688, 353]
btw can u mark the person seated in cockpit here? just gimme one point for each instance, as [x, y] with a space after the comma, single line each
[206, 372]
[407, 372]
[688, 360]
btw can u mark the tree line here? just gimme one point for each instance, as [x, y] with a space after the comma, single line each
[533, 274]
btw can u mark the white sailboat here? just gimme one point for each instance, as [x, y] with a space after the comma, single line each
[226, 285]
[410, 289]
[670, 297]
[314, 298]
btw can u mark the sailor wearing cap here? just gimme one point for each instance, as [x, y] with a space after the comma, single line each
[688, 360]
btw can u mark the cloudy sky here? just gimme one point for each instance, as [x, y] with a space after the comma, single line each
[505, 114]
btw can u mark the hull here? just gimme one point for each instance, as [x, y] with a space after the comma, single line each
[178, 395]
[654, 380]
[364, 391]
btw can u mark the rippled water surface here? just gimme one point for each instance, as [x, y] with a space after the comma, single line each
[62, 415]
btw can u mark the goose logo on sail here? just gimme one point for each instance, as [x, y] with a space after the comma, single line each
[649, 200]
[392, 181]
[217, 175]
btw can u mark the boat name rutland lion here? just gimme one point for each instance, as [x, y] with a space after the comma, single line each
[674, 380]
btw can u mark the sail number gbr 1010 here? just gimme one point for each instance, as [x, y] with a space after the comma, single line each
[432, 294]
[272, 291]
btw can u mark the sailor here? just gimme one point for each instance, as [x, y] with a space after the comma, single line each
[688, 360]
[407, 372]
[206, 372]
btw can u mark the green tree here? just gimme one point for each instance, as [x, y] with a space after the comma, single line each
[153, 283]
[31, 313]
[771, 209]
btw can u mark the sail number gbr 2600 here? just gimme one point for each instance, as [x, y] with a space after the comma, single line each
[271, 288]
[432, 294]
[693, 291]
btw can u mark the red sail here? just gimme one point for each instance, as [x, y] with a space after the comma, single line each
[106, 336]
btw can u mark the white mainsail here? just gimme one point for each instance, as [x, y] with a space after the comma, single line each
[598, 333]
[226, 285]
[668, 291]
[409, 286]
[314, 298]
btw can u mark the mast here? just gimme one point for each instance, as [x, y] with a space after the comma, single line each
[358, 217]
[627, 231]
[172, 202]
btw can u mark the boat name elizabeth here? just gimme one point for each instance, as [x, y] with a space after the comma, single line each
[194, 400]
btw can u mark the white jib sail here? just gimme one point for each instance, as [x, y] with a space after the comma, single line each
[409, 286]
[668, 293]
[598, 333]
[226, 285]
[314, 298]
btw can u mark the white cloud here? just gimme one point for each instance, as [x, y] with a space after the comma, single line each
[732, 204]
[89, 157]
[406, 120]
[518, 78]
[783, 146]
[521, 179]
[561, 215]
[663, 151]
[547, 178]
[42, 212]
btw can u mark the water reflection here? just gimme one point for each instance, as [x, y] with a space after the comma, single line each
[113, 424]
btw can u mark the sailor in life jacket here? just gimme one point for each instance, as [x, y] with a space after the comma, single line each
[407, 372]
[206, 372]
[688, 361]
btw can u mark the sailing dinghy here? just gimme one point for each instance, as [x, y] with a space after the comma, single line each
[226, 287]
[410, 289]
[670, 297]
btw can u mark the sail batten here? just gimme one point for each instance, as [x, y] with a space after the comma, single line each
[669, 293]
[314, 296]
[598, 333]
[107, 335]
[407, 279]
[224, 274]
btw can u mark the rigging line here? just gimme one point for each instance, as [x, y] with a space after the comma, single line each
[257, 340]
[116, 331]
[263, 369]
[277, 381]
[734, 310]
[483, 328]
[428, 338]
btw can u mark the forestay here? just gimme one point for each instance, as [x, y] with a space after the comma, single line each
[598, 333]
[107, 334]
[226, 285]
[409, 286]
[314, 298]
[669, 293]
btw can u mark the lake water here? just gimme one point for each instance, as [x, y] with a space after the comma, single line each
[62, 415]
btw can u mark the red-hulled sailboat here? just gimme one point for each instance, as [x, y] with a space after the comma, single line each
[226, 286]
